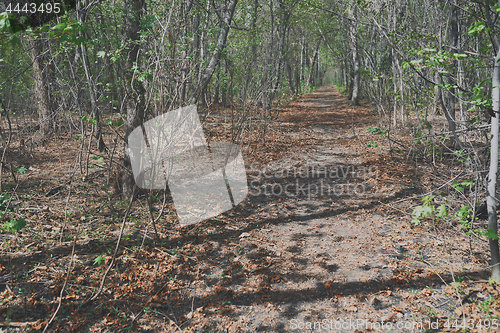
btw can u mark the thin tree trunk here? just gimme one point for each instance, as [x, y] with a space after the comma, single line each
[492, 177]
[214, 61]
[451, 77]
[281, 47]
[310, 80]
[355, 57]
[95, 110]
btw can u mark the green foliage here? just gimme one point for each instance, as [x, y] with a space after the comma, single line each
[375, 130]
[477, 29]
[459, 186]
[10, 225]
[462, 156]
[22, 170]
[4, 201]
[442, 212]
[491, 234]
[115, 123]
[66, 32]
[99, 259]
[10, 25]
[99, 162]
[424, 210]
[429, 210]
[486, 305]
[14, 225]
[89, 120]
[464, 215]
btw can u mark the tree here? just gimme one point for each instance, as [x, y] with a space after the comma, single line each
[41, 74]
[225, 22]
[134, 89]
[353, 31]
[491, 198]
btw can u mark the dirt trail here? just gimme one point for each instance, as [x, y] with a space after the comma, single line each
[325, 249]
[323, 243]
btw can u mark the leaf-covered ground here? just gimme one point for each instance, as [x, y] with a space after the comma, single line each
[324, 242]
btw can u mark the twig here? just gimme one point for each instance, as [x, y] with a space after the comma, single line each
[117, 245]
[456, 288]
[111, 160]
[65, 281]
[65, 213]
[172, 321]
[402, 211]
[430, 192]
[6, 146]
[18, 324]
[261, 268]
[457, 131]
[428, 263]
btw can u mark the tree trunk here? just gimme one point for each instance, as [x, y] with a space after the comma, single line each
[492, 177]
[289, 76]
[81, 16]
[223, 88]
[281, 47]
[217, 88]
[452, 75]
[310, 80]
[355, 57]
[214, 61]
[135, 91]
[41, 78]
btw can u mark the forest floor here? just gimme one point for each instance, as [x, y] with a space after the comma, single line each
[324, 242]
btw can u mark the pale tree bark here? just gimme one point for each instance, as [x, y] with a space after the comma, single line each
[491, 199]
[453, 40]
[492, 177]
[355, 56]
[214, 61]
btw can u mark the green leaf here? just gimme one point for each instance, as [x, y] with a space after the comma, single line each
[59, 26]
[14, 40]
[442, 212]
[477, 28]
[427, 199]
[457, 186]
[423, 211]
[491, 234]
[459, 56]
[101, 54]
[116, 123]
[14, 224]
[99, 259]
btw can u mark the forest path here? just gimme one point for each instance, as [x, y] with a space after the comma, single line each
[324, 240]
[323, 247]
